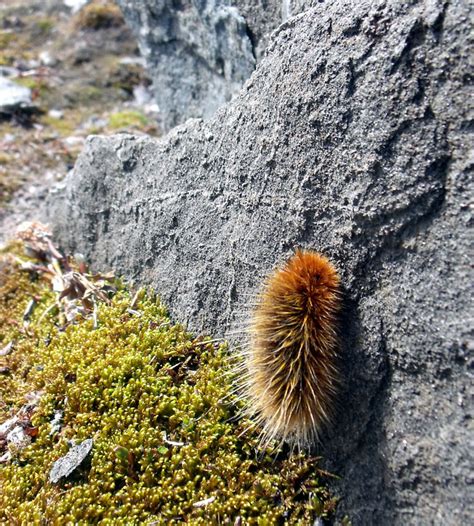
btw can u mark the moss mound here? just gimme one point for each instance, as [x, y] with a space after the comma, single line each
[99, 14]
[168, 446]
[127, 119]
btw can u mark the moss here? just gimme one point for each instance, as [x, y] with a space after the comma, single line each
[41, 29]
[8, 182]
[122, 76]
[127, 119]
[6, 38]
[17, 289]
[14, 46]
[32, 151]
[64, 126]
[157, 403]
[39, 86]
[99, 15]
[79, 95]
[5, 158]
[6, 59]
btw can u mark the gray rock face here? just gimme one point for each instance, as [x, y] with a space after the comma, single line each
[200, 53]
[262, 17]
[352, 137]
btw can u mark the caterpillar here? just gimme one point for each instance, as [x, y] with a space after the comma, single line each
[291, 367]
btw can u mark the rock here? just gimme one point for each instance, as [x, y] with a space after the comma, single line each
[7, 426]
[47, 59]
[9, 71]
[31, 64]
[8, 138]
[18, 438]
[56, 114]
[73, 141]
[6, 350]
[352, 137]
[199, 55]
[6, 457]
[16, 102]
[75, 5]
[56, 422]
[132, 61]
[262, 17]
[142, 95]
[65, 466]
[13, 97]
[94, 121]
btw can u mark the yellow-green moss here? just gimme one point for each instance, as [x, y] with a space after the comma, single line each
[5, 158]
[39, 86]
[156, 402]
[80, 95]
[127, 119]
[41, 29]
[63, 126]
[6, 38]
[99, 14]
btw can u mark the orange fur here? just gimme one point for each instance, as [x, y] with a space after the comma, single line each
[292, 375]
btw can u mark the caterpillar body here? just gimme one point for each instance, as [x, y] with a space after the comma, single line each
[292, 375]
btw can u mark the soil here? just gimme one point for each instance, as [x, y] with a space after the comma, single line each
[86, 77]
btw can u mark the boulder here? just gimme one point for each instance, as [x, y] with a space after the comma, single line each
[352, 137]
[15, 100]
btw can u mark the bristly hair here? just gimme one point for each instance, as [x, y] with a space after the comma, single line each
[291, 375]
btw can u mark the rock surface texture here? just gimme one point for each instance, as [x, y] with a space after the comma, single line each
[352, 137]
[200, 53]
